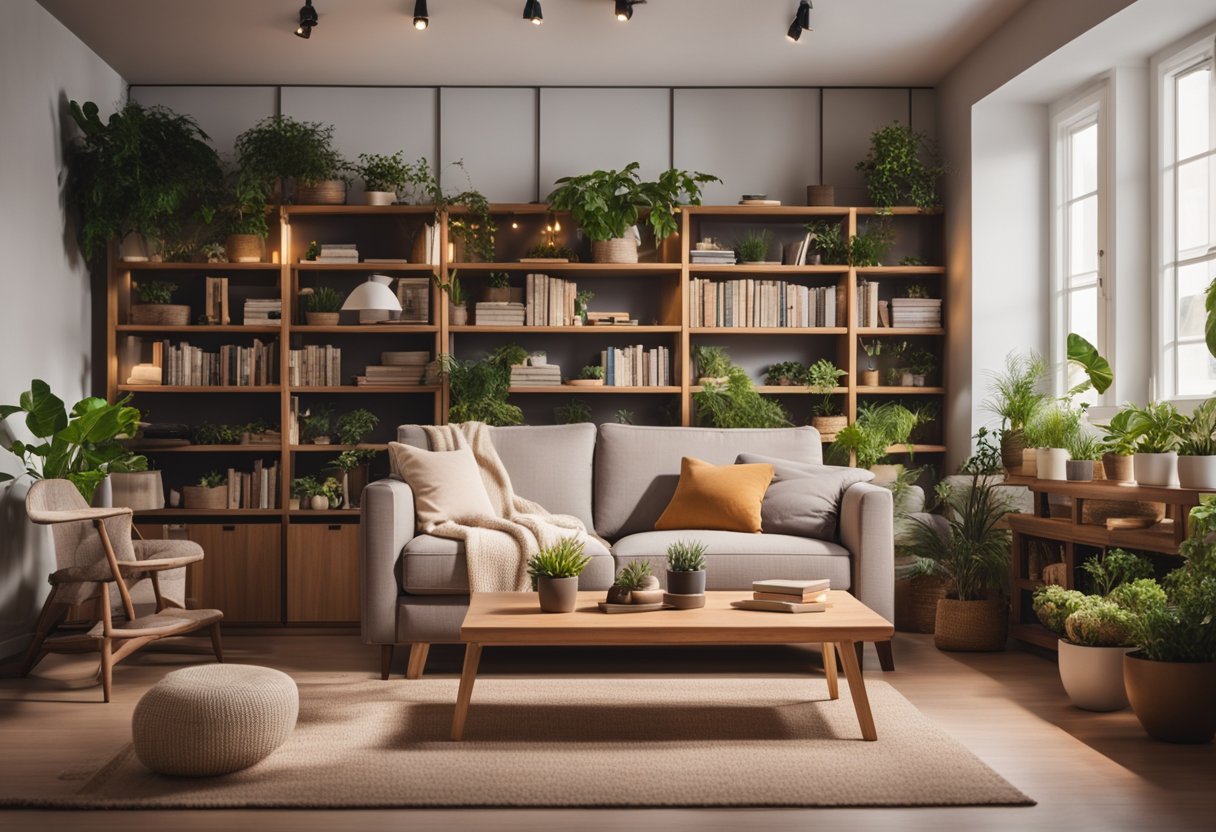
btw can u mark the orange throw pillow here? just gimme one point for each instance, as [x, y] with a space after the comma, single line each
[723, 497]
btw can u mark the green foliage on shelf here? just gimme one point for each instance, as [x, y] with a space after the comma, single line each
[791, 372]
[917, 290]
[155, 291]
[901, 166]
[1198, 434]
[753, 246]
[870, 245]
[572, 412]
[564, 559]
[686, 556]
[323, 299]
[1083, 446]
[1116, 567]
[1056, 425]
[922, 362]
[591, 371]
[382, 172]
[822, 378]
[452, 288]
[1015, 393]
[306, 487]
[736, 404]
[877, 427]
[1156, 427]
[625, 416]
[315, 422]
[479, 389]
[243, 209]
[633, 575]
[553, 250]
[352, 458]
[212, 479]
[711, 362]
[913, 260]
[353, 426]
[280, 147]
[208, 433]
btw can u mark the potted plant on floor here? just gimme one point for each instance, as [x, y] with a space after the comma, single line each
[1156, 427]
[1171, 679]
[279, 149]
[323, 307]
[156, 307]
[211, 492]
[972, 550]
[1015, 396]
[479, 389]
[1197, 448]
[1118, 446]
[869, 372]
[822, 378]
[686, 568]
[555, 570]
[786, 374]
[245, 220]
[1083, 450]
[878, 428]
[1051, 433]
[752, 247]
[383, 176]
[607, 204]
[895, 169]
[635, 583]
[458, 313]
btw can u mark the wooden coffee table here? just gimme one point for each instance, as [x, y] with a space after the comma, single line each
[514, 618]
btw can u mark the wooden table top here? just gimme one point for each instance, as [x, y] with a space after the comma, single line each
[515, 618]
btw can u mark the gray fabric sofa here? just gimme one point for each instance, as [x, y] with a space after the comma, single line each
[617, 479]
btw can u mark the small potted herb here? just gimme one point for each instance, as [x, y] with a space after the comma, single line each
[869, 373]
[555, 570]
[323, 307]
[1156, 427]
[155, 305]
[635, 584]
[786, 374]
[1083, 450]
[458, 313]
[752, 247]
[383, 176]
[922, 363]
[590, 376]
[211, 492]
[315, 425]
[1197, 448]
[822, 378]
[1052, 431]
[686, 568]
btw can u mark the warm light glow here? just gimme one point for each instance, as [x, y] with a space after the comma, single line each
[514, 224]
[557, 226]
[419, 24]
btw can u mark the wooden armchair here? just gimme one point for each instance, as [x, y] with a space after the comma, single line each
[93, 549]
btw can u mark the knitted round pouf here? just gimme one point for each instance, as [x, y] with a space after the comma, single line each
[214, 719]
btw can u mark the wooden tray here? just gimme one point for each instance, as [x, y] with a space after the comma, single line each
[615, 608]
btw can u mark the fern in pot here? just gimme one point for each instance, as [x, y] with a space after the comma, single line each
[1015, 395]
[554, 571]
[878, 428]
[822, 378]
[686, 568]
[244, 219]
[1197, 448]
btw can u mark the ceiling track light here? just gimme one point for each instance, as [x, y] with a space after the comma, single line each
[802, 21]
[532, 12]
[308, 19]
[624, 9]
[421, 18]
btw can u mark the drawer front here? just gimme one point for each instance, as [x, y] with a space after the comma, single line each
[323, 572]
[241, 573]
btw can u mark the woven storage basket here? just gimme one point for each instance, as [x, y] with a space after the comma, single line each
[328, 192]
[196, 496]
[1013, 447]
[924, 591]
[975, 626]
[619, 250]
[322, 318]
[243, 248]
[829, 426]
[160, 314]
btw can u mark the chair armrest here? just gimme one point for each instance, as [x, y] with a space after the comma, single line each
[77, 515]
[867, 531]
[156, 564]
[387, 516]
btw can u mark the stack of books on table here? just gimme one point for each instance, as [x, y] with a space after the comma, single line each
[495, 313]
[397, 369]
[545, 375]
[780, 595]
[263, 311]
[338, 253]
[712, 257]
[916, 313]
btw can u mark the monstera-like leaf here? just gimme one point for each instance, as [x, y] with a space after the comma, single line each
[1097, 369]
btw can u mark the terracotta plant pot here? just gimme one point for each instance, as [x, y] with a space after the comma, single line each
[1119, 468]
[1050, 463]
[160, 314]
[1013, 443]
[243, 248]
[1197, 472]
[973, 626]
[379, 197]
[1079, 470]
[1156, 469]
[619, 250]
[686, 583]
[323, 318]
[869, 378]
[212, 499]
[829, 426]
[1093, 676]
[327, 192]
[1174, 701]
[557, 594]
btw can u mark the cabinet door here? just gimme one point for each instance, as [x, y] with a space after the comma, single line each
[323, 572]
[241, 573]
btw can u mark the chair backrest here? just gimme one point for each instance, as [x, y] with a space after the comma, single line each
[77, 544]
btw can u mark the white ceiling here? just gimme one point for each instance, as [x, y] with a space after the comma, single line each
[485, 42]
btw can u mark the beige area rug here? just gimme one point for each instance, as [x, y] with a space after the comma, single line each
[579, 742]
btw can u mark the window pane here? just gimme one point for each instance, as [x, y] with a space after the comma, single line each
[1193, 117]
[1083, 235]
[1083, 314]
[1196, 370]
[1194, 208]
[1193, 280]
[1083, 161]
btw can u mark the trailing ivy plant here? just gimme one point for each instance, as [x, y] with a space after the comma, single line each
[901, 168]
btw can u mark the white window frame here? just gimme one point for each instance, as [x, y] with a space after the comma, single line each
[1166, 67]
[1090, 105]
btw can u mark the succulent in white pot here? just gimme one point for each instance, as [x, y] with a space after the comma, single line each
[1197, 448]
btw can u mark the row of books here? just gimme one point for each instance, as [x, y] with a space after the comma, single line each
[498, 313]
[315, 366]
[231, 366]
[787, 596]
[406, 368]
[215, 301]
[869, 307]
[749, 302]
[916, 313]
[258, 488]
[636, 366]
[549, 301]
[262, 311]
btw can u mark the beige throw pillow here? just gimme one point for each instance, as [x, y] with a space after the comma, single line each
[447, 484]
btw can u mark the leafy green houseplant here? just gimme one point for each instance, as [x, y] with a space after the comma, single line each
[81, 446]
[822, 379]
[986, 460]
[550, 250]
[146, 170]
[572, 412]
[735, 403]
[316, 425]
[607, 203]
[280, 148]
[872, 349]
[878, 427]
[786, 374]
[922, 363]
[1015, 395]
[1054, 428]
[870, 245]
[1118, 446]
[353, 426]
[830, 242]
[1157, 427]
[555, 570]
[352, 468]
[711, 362]
[686, 567]
[1197, 448]
[384, 176]
[753, 246]
[458, 313]
[591, 372]
[625, 416]
[901, 168]
[1084, 450]
[156, 305]
[479, 389]
[243, 216]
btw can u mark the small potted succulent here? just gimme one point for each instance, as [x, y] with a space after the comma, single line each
[155, 305]
[635, 584]
[211, 492]
[1197, 448]
[323, 307]
[869, 372]
[458, 312]
[383, 176]
[786, 374]
[555, 570]
[1156, 427]
[1083, 450]
[686, 568]
[590, 376]
[822, 378]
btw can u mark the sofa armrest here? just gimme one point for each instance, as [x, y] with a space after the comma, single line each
[387, 517]
[867, 531]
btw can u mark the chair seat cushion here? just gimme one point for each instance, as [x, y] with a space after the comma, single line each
[436, 566]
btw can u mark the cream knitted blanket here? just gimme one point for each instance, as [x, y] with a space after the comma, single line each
[497, 548]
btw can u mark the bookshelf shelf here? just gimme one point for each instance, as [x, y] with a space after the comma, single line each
[364, 268]
[901, 391]
[163, 389]
[208, 449]
[741, 269]
[575, 390]
[768, 330]
[335, 449]
[233, 329]
[601, 331]
[902, 330]
[898, 271]
[365, 329]
[207, 512]
[587, 269]
[351, 389]
[196, 267]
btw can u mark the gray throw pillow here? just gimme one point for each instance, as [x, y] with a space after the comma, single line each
[804, 498]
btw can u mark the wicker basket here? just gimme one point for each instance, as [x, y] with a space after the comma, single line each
[919, 613]
[243, 248]
[160, 314]
[1013, 445]
[328, 192]
[196, 496]
[322, 318]
[619, 250]
[829, 426]
[974, 626]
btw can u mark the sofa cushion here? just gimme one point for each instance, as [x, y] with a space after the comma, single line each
[726, 497]
[733, 560]
[446, 484]
[804, 499]
[436, 566]
[548, 464]
[637, 467]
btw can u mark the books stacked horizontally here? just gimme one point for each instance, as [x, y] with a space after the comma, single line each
[258, 488]
[231, 366]
[712, 257]
[868, 304]
[749, 302]
[315, 366]
[787, 596]
[636, 367]
[550, 300]
[263, 311]
[543, 375]
[397, 369]
[338, 253]
[610, 319]
[916, 313]
[499, 313]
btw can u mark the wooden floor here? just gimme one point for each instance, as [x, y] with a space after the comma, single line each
[1087, 771]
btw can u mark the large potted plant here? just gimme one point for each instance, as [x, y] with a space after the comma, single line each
[279, 149]
[972, 550]
[607, 204]
[244, 216]
[1156, 427]
[901, 168]
[686, 568]
[1171, 679]
[156, 307]
[878, 428]
[1197, 448]
[822, 378]
[479, 389]
[555, 570]
[146, 170]
[383, 176]
[1015, 396]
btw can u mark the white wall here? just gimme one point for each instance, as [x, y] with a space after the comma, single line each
[45, 290]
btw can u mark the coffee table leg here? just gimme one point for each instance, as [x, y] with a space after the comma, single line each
[857, 687]
[472, 654]
[829, 669]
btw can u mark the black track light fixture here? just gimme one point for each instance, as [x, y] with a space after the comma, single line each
[532, 12]
[624, 9]
[421, 18]
[308, 19]
[802, 21]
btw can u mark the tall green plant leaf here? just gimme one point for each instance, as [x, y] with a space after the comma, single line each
[1085, 355]
[1209, 303]
[44, 411]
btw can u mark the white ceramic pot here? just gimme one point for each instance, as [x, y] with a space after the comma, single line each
[918, 380]
[1051, 463]
[1093, 676]
[379, 197]
[319, 503]
[1197, 471]
[907, 380]
[1156, 469]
